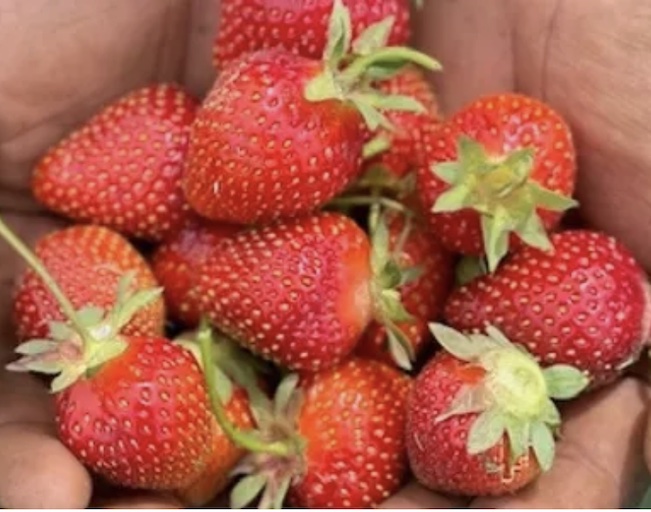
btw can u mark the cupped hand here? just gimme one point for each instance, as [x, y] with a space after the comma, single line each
[63, 61]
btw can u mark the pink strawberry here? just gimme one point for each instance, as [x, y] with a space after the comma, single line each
[586, 304]
[299, 27]
[295, 292]
[176, 261]
[480, 420]
[499, 172]
[122, 169]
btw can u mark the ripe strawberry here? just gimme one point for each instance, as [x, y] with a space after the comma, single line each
[295, 292]
[176, 261]
[500, 172]
[122, 169]
[480, 420]
[134, 409]
[298, 27]
[279, 135]
[585, 304]
[87, 262]
[336, 442]
[142, 419]
[403, 150]
[423, 298]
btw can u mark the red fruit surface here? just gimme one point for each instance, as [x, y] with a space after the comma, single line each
[143, 419]
[437, 451]
[502, 124]
[176, 261]
[403, 155]
[298, 26]
[353, 420]
[87, 262]
[260, 151]
[423, 298]
[122, 169]
[295, 292]
[586, 304]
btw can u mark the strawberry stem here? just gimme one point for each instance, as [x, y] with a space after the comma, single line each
[370, 201]
[38, 267]
[239, 437]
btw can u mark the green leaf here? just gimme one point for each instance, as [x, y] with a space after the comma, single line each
[518, 435]
[380, 252]
[323, 87]
[223, 385]
[45, 366]
[533, 233]
[495, 231]
[372, 116]
[520, 162]
[453, 199]
[447, 171]
[486, 431]
[392, 307]
[125, 285]
[126, 310]
[399, 102]
[498, 336]
[550, 200]
[564, 381]
[90, 316]
[471, 399]
[543, 445]
[104, 351]
[284, 393]
[279, 498]
[246, 490]
[375, 37]
[61, 331]
[66, 378]
[550, 415]
[398, 350]
[377, 145]
[391, 275]
[456, 343]
[36, 346]
[339, 34]
[471, 153]
[470, 268]
[384, 70]
[411, 274]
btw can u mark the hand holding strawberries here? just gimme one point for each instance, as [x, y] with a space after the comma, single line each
[597, 461]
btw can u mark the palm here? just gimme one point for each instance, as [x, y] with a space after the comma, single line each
[62, 62]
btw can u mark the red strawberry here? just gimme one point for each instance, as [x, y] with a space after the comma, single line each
[176, 261]
[336, 442]
[87, 262]
[402, 154]
[500, 172]
[295, 292]
[297, 26]
[586, 304]
[479, 418]
[142, 419]
[279, 135]
[134, 409]
[423, 298]
[122, 169]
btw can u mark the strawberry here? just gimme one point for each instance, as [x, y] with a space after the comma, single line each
[122, 169]
[134, 409]
[298, 27]
[87, 262]
[586, 304]
[175, 262]
[335, 442]
[480, 420]
[279, 135]
[423, 298]
[499, 173]
[401, 155]
[295, 292]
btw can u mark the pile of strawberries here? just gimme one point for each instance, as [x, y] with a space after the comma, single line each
[310, 284]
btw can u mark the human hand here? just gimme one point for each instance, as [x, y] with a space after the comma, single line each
[96, 52]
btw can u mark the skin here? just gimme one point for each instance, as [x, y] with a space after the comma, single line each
[590, 60]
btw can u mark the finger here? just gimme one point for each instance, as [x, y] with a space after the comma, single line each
[599, 459]
[414, 496]
[199, 72]
[140, 500]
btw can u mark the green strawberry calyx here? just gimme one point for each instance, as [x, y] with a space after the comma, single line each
[513, 400]
[89, 338]
[351, 67]
[275, 457]
[502, 191]
[389, 276]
